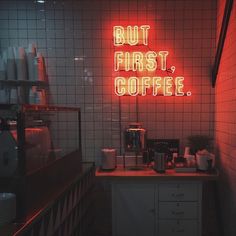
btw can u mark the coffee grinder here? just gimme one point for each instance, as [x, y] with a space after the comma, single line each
[134, 143]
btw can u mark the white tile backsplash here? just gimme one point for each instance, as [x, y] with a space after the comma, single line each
[64, 30]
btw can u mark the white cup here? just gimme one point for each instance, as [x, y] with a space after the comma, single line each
[190, 159]
[202, 161]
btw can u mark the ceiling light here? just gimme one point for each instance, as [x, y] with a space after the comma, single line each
[40, 1]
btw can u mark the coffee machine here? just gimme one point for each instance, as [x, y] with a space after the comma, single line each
[134, 142]
[161, 152]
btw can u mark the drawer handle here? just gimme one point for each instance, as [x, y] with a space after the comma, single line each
[177, 230]
[177, 194]
[177, 213]
[152, 211]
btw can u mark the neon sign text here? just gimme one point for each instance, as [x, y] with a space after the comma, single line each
[133, 86]
[131, 35]
[139, 61]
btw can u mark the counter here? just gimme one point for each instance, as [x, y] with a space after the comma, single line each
[149, 173]
[145, 202]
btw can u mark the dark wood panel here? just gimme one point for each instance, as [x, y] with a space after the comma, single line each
[36, 189]
[43, 184]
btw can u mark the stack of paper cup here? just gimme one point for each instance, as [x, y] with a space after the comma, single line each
[40, 74]
[21, 66]
[2, 69]
[11, 75]
[39, 68]
[21, 72]
[13, 94]
[11, 66]
[31, 54]
[3, 95]
[7, 208]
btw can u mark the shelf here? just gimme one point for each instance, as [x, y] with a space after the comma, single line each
[16, 83]
[35, 107]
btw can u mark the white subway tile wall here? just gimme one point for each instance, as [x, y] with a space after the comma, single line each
[76, 39]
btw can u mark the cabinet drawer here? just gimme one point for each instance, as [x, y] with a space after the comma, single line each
[178, 192]
[178, 228]
[178, 210]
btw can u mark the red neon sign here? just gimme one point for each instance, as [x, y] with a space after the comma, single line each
[142, 63]
[132, 35]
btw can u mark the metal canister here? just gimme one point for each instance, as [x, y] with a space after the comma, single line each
[159, 162]
[108, 159]
[135, 138]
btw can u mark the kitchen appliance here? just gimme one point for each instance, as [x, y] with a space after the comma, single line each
[168, 146]
[135, 138]
[108, 159]
[134, 143]
[159, 162]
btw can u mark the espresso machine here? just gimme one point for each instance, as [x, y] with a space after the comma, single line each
[134, 142]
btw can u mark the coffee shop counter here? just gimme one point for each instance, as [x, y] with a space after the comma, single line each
[148, 173]
[163, 202]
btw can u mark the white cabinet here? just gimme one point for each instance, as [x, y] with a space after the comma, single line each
[133, 207]
[179, 208]
[156, 209]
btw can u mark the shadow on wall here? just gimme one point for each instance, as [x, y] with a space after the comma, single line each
[226, 200]
[227, 204]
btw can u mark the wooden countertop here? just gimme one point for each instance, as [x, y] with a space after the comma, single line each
[150, 174]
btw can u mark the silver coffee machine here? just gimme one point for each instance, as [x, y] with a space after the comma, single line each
[134, 141]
